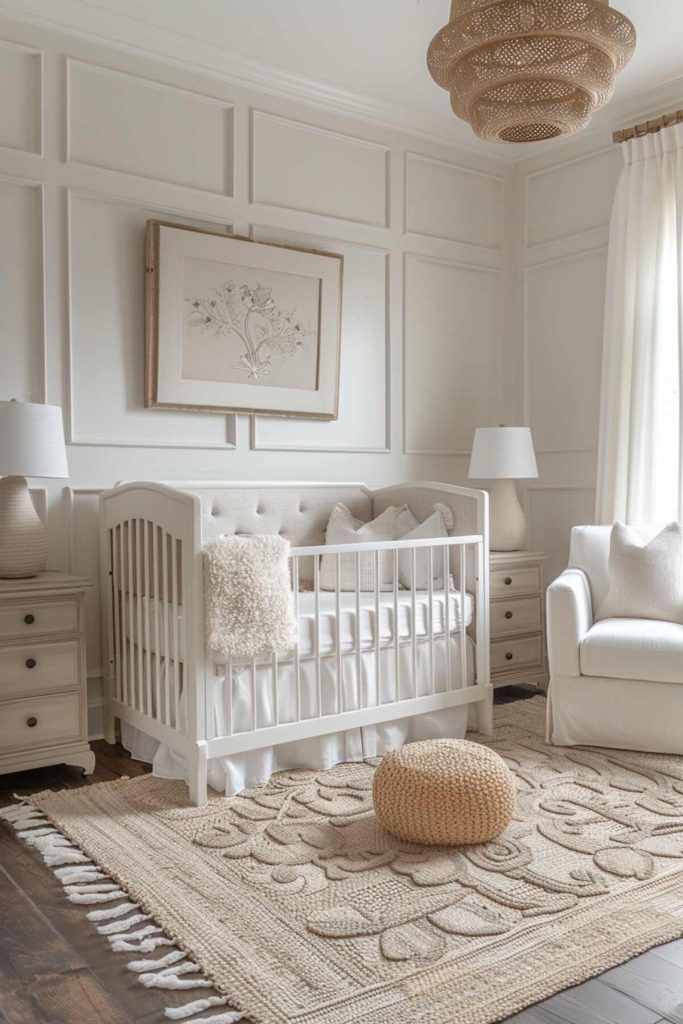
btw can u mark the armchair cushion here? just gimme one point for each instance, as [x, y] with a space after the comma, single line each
[570, 616]
[633, 649]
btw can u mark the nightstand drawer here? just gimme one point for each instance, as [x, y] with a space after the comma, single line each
[38, 618]
[507, 655]
[39, 668]
[520, 615]
[511, 582]
[40, 721]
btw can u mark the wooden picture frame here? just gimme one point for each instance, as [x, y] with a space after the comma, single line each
[233, 325]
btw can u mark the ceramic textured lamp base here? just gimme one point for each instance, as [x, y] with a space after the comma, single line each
[507, 522]
[23, 544]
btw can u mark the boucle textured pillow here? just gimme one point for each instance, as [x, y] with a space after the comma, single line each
[645, 580]
[344, 528]
[247, 597]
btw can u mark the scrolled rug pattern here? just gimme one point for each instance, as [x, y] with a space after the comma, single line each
[302, 910]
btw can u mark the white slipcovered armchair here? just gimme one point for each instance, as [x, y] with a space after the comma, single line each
[616, 682]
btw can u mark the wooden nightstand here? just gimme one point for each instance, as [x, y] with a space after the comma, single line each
[517, 618]
[43, 697]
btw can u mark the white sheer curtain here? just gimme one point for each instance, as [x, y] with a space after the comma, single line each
[640, 462]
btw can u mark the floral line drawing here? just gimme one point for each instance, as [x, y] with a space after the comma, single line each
[266, 331]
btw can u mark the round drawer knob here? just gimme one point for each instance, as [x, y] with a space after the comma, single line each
[508, 615]
[29, 619]
[508, 656]
[31, 663]
[508, 581]
[31, 722]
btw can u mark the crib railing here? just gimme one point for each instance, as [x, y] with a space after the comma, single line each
[412, 670]
[161, 679]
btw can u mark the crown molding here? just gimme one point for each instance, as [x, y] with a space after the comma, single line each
[140, 38]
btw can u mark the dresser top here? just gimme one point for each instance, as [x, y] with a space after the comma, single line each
[44, 582]
[512, 557]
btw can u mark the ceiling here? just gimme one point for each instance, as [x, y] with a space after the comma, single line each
[368, 48]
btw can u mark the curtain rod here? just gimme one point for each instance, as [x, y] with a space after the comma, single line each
[648, 127]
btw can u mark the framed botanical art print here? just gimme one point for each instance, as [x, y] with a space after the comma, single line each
[234, 325]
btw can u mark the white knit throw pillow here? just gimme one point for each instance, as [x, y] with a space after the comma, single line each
[645, 580]
[343, 528]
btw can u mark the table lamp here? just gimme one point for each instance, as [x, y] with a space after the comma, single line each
[504, 454]
[31, 444]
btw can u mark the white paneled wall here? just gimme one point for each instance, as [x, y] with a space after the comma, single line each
[93, 142]
[564, 209]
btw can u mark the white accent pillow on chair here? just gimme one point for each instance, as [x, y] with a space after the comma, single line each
[645, 580]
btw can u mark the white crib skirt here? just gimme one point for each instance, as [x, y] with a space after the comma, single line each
[230, 774]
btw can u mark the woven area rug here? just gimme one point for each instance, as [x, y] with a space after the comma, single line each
[300, 908]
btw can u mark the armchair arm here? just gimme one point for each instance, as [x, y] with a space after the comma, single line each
[570, 616]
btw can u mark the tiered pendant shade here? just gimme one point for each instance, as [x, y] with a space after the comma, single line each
[528, 70]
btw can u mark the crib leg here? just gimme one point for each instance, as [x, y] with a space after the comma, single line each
[109, 723]
[485, 713]
[198, 775]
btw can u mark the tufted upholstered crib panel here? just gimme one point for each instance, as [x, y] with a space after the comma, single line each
[297, 512]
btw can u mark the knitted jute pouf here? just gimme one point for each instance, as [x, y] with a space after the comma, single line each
[444, 793]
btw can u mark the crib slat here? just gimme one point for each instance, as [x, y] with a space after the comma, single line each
[413, 621]
[254, 715]
[447, 612]
[430, 587]
[140, 704]
[131, 619]
[147, 593]
[228, 695]
[276, 698]
[397, 632]
[116, 583]
[359, 660]
[297, 660]
[318, 680]
[337, 609]
[167, 639]
[463, 625]
[377, 630]
[156, 707]
[174, 633]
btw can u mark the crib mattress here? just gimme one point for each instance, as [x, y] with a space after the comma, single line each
[348, 630]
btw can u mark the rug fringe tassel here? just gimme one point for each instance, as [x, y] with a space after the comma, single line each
[112, 912]
[219, 1018]
[142, 966]
[72, 875]
[197, 1006]
[118, 927]
[144, 946]
[96, 897]
[172, 977]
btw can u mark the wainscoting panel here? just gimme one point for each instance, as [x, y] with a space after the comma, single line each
[444, 200]
[22, 337]
[84, 560]
[452, 355]
[147, 128]
[106, 342]
[301, 167]
[564, 310]
[573, 197]
[552, 511]
[21, 89]
[364, 398]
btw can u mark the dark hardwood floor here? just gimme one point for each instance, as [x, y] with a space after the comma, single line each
[56, 969]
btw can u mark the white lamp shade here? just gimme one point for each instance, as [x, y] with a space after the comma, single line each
[32, 440]
[503, 453]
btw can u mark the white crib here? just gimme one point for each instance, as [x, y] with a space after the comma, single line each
[363, 658]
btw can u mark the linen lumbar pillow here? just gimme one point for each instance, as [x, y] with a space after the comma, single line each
[433, 526]
[645, 580]
[344, 528]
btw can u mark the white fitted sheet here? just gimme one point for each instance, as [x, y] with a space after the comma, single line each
[328, 620]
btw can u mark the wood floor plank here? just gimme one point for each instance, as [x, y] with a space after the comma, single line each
[653, 982]
[590, 1003]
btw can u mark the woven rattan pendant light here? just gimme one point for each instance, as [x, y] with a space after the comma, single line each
[528, 70]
